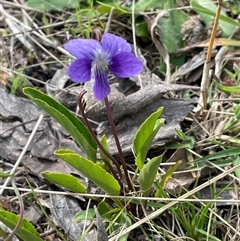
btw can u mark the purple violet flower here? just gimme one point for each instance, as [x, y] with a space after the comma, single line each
[94, 60]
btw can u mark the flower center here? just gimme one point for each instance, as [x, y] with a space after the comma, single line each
[101, 61]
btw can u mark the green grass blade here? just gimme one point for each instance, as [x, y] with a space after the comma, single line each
[218, 155]
[228, 89]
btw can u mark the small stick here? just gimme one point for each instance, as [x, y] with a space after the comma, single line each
[202, 104]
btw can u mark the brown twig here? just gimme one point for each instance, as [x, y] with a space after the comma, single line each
[202, 105]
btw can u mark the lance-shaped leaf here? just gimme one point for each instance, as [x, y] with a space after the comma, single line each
[70, 122]
[26, 231]
[91, 170]
[148, 174]
[145, 135]
[87, 214]
[165, 178]
[65, 180]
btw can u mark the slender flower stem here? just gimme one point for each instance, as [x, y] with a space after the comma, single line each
[99, 143]
[130, 186]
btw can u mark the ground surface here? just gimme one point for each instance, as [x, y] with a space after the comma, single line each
[173, 49]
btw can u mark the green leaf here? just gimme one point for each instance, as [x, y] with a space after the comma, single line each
[188, 139]
[88, 214]
[65, 180]
[104, 209]
[230, 74]
[148, 174]
[228, 89]
[103, 156]
[143, 5]
[121, 220]
[91, 170]
[208, 235]
[145, 135]
[217, 156]
[207, 13]
[106, 8]
[166, 177]
[169, 27]
[70, 122]
[237, 112]
[3, 175]
[233, 120]
[52, 5]
[26, 231]
[141, 28]
[236, 161]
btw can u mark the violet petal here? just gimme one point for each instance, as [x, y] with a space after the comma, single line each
[83, 48]
[101, 86]
[114, 45]
[125, 65]
[80, 70]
